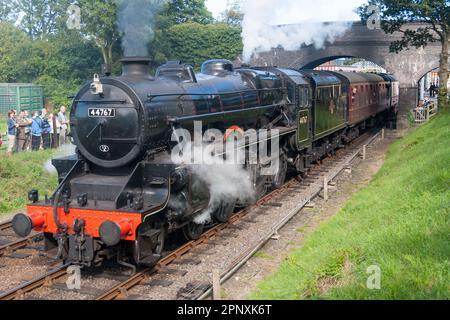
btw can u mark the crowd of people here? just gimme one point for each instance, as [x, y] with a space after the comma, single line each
[43, 130]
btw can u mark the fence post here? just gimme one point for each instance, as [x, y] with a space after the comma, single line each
[364, 152]
[325, 188]
[382, 134]
[216, 285]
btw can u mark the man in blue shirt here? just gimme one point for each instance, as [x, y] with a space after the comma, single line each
[46, 129]
[36, 132]
[12, 131]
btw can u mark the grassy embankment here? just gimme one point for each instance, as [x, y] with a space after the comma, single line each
[400, 223]
[21, 173]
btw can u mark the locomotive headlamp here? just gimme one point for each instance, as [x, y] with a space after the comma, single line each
[96, 85]
[33, 196]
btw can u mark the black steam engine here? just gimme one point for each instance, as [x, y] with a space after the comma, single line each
[121, 196]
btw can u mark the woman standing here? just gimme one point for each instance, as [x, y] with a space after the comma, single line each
[36, 132]
[12, 131]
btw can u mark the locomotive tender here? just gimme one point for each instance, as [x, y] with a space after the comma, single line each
[116, 195]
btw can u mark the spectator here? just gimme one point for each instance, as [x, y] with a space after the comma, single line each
[63, 125]
[22, 134]
[54, 129]
[27, 145]
[46, 130]
[36, 132]
[12, 131]
[432, 90]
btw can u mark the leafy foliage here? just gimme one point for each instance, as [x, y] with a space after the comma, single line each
[233, 14]
[182, 11]
[99, 23]
[194, 43]
[15, 49]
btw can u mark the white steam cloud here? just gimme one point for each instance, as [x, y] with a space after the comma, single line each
[227, 180]
[292, 23]
[63, 151]
[135, 21]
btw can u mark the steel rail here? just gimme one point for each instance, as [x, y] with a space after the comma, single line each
[36, 283]
[5, 225]
[19, 244]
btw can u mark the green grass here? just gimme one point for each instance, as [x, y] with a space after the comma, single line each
[21, 173]
[400, 223]
[3, 129]
[263, 255]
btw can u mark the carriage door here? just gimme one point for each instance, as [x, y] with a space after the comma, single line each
[304, 117]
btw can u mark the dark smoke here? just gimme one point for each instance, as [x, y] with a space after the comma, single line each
[135, 21]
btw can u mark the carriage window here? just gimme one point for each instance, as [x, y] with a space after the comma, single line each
[337, 92]
[307, 96]
[291, 92]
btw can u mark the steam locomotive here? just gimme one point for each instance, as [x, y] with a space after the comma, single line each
[116, 195]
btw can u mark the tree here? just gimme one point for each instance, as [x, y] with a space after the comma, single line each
[41, 18]
[99, 22]
[175, 13]
[233, 15]
[7, 11]
[181, 11]
[16, 51]
[194, 43]
[435, 16]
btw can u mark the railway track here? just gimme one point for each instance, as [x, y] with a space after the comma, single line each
[329, 167]
[4, 226]
[9, 242]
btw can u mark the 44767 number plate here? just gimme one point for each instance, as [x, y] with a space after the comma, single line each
[102, 112]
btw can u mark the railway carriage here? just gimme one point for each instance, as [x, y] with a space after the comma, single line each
[120, 196]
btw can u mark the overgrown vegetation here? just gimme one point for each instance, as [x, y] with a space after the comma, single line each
[400, 223]
[194, 43]
[21, 173]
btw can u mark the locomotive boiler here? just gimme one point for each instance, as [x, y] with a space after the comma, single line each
[120, 196]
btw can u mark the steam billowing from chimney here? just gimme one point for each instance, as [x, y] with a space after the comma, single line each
[293, 23]
[135, 21]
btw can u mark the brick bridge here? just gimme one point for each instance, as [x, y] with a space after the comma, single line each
[408, 66]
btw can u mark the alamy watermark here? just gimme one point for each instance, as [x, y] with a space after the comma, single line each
[374, 280]
[74, 280]
[374, 20]
[235, 147]
[74, 17]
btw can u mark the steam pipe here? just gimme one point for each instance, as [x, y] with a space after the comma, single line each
[63, 227]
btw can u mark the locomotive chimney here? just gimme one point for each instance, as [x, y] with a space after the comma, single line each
[136, 67]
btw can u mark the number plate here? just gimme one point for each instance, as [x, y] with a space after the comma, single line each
[102, 112]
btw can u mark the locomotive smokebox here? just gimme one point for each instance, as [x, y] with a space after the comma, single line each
[136, 67]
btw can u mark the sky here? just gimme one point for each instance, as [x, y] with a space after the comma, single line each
[306, 10]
